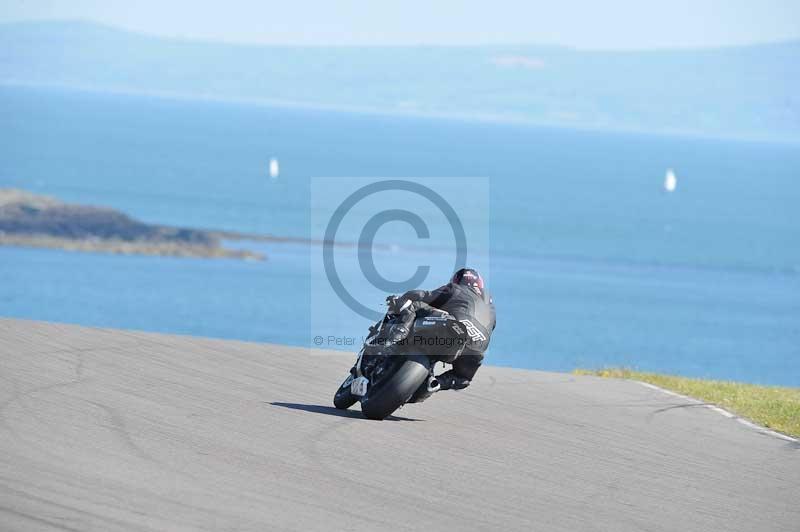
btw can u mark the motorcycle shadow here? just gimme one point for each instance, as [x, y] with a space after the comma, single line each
[331, 411]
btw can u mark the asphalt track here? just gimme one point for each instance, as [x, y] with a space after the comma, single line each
[115, 430]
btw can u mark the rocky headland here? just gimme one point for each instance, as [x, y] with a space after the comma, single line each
[33, 220]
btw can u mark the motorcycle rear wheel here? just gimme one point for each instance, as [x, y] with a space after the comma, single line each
[380, 402]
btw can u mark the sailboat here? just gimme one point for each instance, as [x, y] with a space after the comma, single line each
[670, 181]
[274, 169]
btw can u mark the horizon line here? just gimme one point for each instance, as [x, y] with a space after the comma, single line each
[474, 118]
[227, 42]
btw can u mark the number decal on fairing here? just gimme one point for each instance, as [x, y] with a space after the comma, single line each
[359, 386]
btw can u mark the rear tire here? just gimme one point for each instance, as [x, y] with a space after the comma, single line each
[343, 398]
[394, 393]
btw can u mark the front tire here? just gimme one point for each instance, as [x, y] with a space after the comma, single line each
[343, 398]
[389, 396]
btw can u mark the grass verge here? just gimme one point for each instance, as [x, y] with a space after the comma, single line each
[775, 407]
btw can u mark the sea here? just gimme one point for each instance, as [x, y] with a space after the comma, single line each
[592, 263]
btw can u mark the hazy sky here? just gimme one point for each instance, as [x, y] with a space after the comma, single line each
[584, 24]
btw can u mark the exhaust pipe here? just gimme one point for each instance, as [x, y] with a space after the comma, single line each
[426, 389]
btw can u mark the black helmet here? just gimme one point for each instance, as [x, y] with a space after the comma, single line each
[468, 277]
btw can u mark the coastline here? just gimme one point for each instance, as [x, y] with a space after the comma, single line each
[118, 246]
[37, 221]
[485, 118]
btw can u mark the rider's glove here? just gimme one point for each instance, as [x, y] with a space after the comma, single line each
[397, 334]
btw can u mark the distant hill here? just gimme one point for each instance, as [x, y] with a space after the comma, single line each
[751, 92]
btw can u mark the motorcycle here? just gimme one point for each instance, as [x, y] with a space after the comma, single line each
[386, 376]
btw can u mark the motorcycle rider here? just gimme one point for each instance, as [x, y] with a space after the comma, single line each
[466, 299]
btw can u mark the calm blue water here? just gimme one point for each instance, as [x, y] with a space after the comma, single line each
[592, 264]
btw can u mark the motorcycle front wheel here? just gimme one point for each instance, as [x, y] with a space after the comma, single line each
[343, 398]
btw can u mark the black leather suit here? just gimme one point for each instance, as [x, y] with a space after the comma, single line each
[466, 304]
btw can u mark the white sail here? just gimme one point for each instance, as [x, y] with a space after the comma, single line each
[670, 181]
[274, 169]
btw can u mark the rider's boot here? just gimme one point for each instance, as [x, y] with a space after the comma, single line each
[450, 381]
